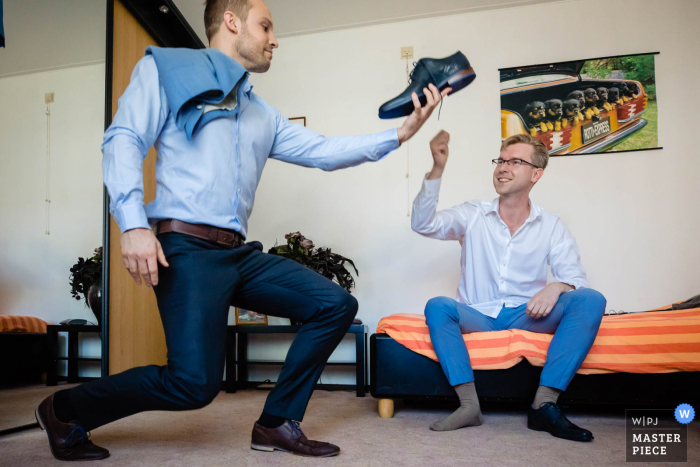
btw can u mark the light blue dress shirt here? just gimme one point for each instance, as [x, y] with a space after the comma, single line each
[211, 178]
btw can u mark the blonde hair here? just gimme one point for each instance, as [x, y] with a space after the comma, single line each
[214, 13]
[540, 154]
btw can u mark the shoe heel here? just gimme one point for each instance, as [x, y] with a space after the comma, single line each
[261, 447]
[460, 80]
[532, 426]
[38, 420]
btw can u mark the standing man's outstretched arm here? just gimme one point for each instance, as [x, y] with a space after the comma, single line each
[302, 146]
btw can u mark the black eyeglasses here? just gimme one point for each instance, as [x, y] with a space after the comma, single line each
[512, 162]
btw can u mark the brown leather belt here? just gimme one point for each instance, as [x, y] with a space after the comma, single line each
[223, 237]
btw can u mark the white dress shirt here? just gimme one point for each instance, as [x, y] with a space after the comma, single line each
[499, 269]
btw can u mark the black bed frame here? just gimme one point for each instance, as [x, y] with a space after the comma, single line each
[23, 357]
[399, 373]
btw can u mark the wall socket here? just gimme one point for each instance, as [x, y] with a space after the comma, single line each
[48, 98]
[406, 52]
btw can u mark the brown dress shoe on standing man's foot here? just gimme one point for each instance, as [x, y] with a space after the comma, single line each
[68, 441]
[289, 438]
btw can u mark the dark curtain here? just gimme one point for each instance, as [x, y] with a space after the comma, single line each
[2, 30]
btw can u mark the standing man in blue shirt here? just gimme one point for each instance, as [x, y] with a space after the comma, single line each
[213, 136]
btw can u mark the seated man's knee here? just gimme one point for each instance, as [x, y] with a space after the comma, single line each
[593, 305]
[438, 309]
[595, 300]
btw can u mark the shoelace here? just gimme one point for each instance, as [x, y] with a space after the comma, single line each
[78, 434]
[296, 428]
[410, 80]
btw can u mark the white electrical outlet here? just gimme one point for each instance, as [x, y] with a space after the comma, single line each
[406, 52]
[48, 98]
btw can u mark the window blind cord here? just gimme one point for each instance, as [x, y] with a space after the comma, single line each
[48, 169]
[408, 182]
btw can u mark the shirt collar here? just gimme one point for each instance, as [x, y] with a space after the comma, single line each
[535, 210]
[229, 70]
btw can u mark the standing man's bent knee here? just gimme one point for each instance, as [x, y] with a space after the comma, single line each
[350, 305]
[194, 391]
[342, 305]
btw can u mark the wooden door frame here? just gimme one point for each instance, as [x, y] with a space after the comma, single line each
[170, 29]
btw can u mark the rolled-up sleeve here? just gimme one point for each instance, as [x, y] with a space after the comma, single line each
[565, 259]
[448, 224]
[134, 129]
[299, 145]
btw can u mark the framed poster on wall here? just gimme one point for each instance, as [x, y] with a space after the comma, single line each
[606, 104]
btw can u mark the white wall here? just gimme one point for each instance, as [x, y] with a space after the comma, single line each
[635, 215]
[41, 35]
[35, 267]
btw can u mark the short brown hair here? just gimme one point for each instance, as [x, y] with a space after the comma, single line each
[540, 154]
[214, 13]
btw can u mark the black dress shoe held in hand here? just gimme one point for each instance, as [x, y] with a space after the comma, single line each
[454, 72]
[551, 419]
[68, 441]
[288, 437]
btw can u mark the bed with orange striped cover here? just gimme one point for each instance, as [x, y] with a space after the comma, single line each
[649, 342]
[11, 323]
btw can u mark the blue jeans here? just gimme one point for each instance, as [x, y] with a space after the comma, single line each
[574, 321]
[194, 295]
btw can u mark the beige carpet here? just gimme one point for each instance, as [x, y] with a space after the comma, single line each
[219, 435]
[17, 404]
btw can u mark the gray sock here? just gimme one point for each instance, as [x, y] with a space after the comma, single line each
[468, 414]
[545, 394]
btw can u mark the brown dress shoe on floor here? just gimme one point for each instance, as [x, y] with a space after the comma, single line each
[288, 437]
[68, 441]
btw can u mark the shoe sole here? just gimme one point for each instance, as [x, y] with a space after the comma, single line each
[460, 80]
[537, 428]
[40, 421]
[457, 82]
[266, 448]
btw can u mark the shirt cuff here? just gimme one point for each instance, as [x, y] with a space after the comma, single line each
[431, 187]
[387, 141]
[577, 284]
[131, 216]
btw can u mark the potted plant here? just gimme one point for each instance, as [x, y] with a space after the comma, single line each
[86, 282]
[322, 260]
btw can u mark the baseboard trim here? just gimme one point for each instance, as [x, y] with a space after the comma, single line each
[321, 387]
[17, 429]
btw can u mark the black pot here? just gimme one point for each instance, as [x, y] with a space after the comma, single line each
[94, 299]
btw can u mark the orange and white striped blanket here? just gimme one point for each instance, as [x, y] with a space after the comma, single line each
[658, 342]
[10, 323]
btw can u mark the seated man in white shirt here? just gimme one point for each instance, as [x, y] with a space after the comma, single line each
[506, 247]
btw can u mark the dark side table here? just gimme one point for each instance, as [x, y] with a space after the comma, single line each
[73, 358]
[237, 339]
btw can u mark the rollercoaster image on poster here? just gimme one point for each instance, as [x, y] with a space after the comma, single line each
[584, 106]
